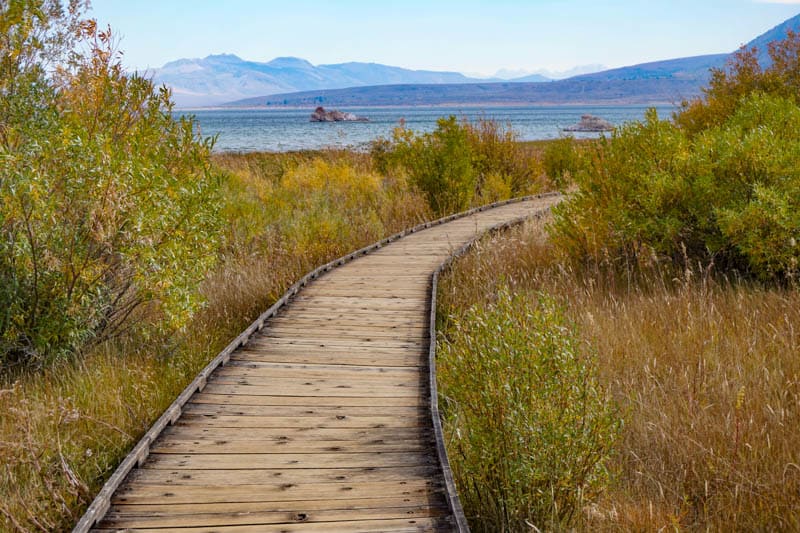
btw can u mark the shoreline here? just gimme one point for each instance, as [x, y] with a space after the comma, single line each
[472, 105]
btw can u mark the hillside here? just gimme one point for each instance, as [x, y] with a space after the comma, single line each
[778, 33]
[668, 81]
[686, 68]
[221, 78]
[574, 91]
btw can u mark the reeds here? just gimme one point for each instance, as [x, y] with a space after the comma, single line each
[705, 373]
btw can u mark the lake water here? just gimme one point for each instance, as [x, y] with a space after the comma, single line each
[277, 130]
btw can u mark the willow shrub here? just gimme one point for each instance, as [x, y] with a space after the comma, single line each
[528, 424]
[460, 163]
[108, 207]
[719, 185]
[728, 195]
[560, 160]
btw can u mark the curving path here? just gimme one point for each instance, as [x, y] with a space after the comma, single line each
[322, 421]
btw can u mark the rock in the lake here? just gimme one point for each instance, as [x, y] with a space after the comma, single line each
[591, 123]
[320, 114]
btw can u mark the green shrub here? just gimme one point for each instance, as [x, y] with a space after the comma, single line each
[728, 195]
[459, 163]
[108, 207]
[560, 160]
[759, 152]
[438, 163]
[528, 424]
[502, 167]
[719, 185]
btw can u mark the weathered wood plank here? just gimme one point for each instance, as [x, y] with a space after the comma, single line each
[300, 410]
[404, 525]
[313, 401]
[119, 520]
[333, 381]
[288, 460]
[328, 369]
[296, 435]
[310, 388]
[174, 445]
[295, 476]
[339, 421]
[429, 498]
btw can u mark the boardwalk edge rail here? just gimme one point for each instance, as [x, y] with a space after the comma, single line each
[138, 455]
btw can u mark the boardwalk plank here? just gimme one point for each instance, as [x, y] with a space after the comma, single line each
[295, 476]
[304, 434]
[119, 520]
[310, 401]
[410, 525]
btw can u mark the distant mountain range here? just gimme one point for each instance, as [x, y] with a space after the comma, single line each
[217, 79]
[221, 78]
[288, 81]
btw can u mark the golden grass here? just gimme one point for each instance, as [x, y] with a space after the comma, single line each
[706, 372]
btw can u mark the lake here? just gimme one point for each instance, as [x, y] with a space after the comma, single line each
[278, 130]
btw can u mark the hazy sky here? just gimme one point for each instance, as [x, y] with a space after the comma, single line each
[473, 36]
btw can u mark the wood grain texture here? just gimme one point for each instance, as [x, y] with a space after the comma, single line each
[322, 421]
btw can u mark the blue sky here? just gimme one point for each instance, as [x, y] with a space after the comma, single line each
[473, 36]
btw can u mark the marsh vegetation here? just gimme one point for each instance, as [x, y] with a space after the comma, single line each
[670, 272]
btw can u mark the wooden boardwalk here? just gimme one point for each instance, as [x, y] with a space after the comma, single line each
[323, 420]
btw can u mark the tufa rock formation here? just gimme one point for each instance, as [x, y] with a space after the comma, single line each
[591, 123]
[321, 115]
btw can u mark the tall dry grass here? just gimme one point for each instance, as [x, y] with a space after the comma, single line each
[705, 371]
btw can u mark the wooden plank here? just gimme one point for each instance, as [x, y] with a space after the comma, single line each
[355, 315]
[304, 355]
[343, 380]
[286, 386]
[430, 498]
[325, 369]
[119, 520]
[264, 345]
[404, 525]
[295, 435]
[393, 290]
[342, 319]
[333, 358]
[322, 303]
[294, 476]
[288, 460]
[323, 341]
[275, 492]
[300, 410]
[378, 277]
[208, 396]
[359, 333]
[349, 290]
[424, 498]
[228, 445]
[339, 421]
[314, 391]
